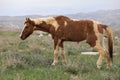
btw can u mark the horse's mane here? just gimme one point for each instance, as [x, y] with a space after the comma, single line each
[40, 20]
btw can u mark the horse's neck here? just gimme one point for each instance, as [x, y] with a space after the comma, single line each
[44, 28]
[45, 24]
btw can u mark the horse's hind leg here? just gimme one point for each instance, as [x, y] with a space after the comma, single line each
[109, 62]
[102, 54]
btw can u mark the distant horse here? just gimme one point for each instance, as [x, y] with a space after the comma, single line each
[63, 29]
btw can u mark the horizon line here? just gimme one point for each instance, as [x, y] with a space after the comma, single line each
[54, 14]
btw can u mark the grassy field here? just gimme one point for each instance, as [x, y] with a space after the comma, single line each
[31, 60]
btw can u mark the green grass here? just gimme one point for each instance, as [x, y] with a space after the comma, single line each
[31, 60]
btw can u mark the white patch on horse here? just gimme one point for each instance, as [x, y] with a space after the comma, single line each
[65, 23]
[52, 21]
[97, 22]
[22, 30]
[48, 20]
[37, 21]
[75, 19]
[95, 26]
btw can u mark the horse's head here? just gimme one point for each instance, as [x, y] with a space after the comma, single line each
[28, 28]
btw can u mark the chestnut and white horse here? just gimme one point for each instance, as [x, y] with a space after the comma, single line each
[63, 29]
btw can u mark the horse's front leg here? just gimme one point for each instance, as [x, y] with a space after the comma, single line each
[63, 53]
[56, 50]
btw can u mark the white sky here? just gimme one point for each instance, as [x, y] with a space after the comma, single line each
[46, 7]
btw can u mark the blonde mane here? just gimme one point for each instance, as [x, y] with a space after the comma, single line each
[48, 20]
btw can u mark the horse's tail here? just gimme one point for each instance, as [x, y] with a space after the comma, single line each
[110, 40]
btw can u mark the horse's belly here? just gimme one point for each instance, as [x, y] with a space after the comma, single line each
[74, 37]
[73, 33]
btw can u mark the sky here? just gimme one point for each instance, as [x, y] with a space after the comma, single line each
[51, 7]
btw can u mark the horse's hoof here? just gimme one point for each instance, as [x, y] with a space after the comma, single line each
[99, 66]
[54, 63]
[109, 65]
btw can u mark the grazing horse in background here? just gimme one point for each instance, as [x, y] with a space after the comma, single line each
[63, 29]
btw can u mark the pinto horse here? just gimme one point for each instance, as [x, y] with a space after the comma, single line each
[63, 29]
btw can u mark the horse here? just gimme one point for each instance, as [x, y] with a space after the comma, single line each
[63, 28]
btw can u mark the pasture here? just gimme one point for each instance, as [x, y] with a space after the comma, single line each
[31, 59]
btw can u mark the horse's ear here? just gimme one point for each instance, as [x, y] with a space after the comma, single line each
[28, 19]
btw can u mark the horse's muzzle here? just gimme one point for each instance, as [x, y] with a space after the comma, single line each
[21, 37]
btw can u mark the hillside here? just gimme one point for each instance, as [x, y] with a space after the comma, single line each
[109, 17]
